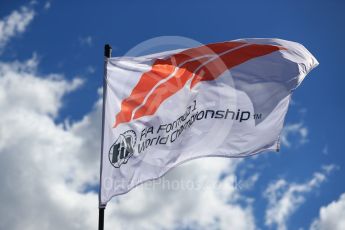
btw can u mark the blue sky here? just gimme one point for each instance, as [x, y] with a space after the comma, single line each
[67, 38]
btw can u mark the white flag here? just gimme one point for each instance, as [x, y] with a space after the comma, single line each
[225, 99]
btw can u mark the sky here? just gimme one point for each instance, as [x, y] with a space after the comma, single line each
[51, 67]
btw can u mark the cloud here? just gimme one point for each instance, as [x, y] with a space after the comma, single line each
[36, 155]
[48, 169]
[325, 150]
[29, 92]
[196, 202]
[285, 198]
[90, 69]
[86, 41]
[47, 5]
[294, 130]
[15, 24]
[331, 216]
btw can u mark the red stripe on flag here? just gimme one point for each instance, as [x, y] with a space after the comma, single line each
[214, 69]
[169, 88]
[161, 69]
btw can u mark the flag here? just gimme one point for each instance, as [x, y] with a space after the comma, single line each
[225, 99]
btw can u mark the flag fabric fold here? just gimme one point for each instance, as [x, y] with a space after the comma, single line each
[225, 99]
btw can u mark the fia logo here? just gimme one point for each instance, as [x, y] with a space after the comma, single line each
[123, 148]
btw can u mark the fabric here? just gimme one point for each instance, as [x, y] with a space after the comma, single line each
[224, 99]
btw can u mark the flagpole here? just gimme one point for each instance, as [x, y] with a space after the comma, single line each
[107, 54]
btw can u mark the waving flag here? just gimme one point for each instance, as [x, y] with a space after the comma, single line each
[224, 99]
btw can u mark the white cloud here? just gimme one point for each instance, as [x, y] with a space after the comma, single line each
[36, 155]
[285, 198]
[90, 69]
[19, 84]
[205, 207]
[14, 24]
[294, 129]
[87, 41]
[325, 150]
[331, 216]
[46, 167]
[47, 5]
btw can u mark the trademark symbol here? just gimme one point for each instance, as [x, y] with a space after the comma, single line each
[257, 116]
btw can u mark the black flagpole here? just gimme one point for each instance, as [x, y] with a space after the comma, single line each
[101, 218]
[107, 54]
